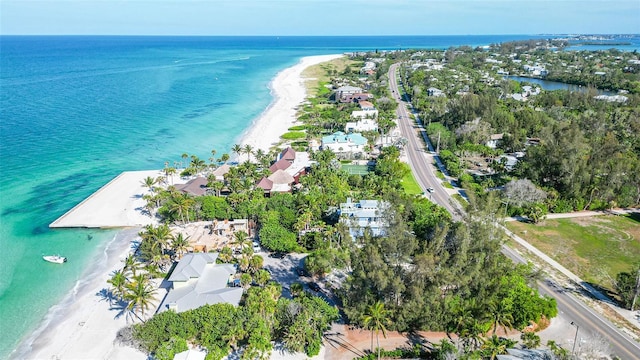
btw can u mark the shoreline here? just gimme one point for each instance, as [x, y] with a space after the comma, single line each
[84, 324]
[83, 312]
[288, 91]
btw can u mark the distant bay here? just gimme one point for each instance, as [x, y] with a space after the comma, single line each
[75, 111]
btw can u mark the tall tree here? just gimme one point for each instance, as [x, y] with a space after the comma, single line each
[376, 319]
[140, 294]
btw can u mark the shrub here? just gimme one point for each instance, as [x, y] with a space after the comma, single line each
[298, 128]
[294, 135]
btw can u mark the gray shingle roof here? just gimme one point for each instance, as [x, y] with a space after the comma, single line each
[192, 265]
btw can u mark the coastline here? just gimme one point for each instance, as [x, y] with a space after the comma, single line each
[84, 324]
[288, 91]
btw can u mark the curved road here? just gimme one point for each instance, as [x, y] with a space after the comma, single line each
[569, 307]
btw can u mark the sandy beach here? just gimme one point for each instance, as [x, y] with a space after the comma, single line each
[288, 91]
[85, 323]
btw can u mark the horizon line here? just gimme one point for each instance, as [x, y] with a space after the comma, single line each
[361, 35]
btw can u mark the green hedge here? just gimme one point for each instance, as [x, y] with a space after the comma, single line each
[294, 135]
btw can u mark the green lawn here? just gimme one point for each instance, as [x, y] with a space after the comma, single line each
[595, 248]
[410, 185]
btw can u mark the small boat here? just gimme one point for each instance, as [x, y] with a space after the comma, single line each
[55, 259]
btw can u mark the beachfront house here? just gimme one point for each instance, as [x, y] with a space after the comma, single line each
[195, 187]
[342, 92]
[363, 214]
[285, 172]
[361, 125]
[221, 171]
[343, 144]
[197, 280]
[357, 98]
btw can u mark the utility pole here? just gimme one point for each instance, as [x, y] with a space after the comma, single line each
[438, 146]
[637, 292]
[575, 339]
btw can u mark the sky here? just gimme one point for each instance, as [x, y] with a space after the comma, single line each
[318, 17]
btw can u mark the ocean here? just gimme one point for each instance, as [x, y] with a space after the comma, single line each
[76, 111]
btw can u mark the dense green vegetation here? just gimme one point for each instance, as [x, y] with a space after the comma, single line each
[425, 272]
[262, 317]
[583, 152]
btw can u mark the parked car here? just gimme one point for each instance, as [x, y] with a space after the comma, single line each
[256, 247]
[278, 255]
[315, 287]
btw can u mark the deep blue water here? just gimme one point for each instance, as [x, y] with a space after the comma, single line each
[77, 111]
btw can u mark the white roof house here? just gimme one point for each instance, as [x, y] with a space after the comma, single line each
[340, 142]
[197, 280]
[435, 92]
[363, 214]
[364, 114]
[361, 125]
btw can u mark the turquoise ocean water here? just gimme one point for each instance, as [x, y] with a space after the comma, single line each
[77, 111]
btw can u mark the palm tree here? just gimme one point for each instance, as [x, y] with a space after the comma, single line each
[149, 183]
[226, 254]
[181, 205]
[241, 239]
[243, 264]
[245, 280]
[217, 186]
[118, 282]
[262, 277]
[130, 265]
[224, 158]
[255, 263]
[161, 236]
[376, 320]
[140, 294]
[170, 171]
[184, 158]
[212, 159]
[261, 158]
[236, 149]
[495, 346]
[248, 149]
[180, 245]
[500, 316]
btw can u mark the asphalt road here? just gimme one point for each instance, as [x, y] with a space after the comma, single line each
[569, 307]
[420, 160]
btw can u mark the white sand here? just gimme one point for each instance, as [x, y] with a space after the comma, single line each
[289, 92]
[84, 325]
[119, 203]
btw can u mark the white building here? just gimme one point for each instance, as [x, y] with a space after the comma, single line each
[361, 125]
[363, 214]
[340, 142]
[364, 114]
